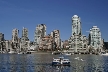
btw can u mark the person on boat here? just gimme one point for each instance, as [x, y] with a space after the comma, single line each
[60, 60]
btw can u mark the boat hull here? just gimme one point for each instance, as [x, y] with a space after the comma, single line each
[64, 63]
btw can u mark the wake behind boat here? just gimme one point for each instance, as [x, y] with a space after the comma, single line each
[61, 61]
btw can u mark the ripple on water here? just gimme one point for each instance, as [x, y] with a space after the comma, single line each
[42, 63]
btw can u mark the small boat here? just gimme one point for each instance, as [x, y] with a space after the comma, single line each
[67, 54]
[106, 54]
[20, 53]
[56, 53]
[77, 58]
[61, 61]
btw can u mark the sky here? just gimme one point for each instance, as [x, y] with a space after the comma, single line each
[56, 14]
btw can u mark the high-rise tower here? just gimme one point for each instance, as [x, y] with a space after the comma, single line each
[39, 33]
[77, 41]
[15, 33]
[76, 25]
[56, 35]
[95, 39]
[25, 34]
[24, 39]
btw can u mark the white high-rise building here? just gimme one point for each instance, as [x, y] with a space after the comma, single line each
[76, 25]
[95, 39]
[77, 41]
[39, 33]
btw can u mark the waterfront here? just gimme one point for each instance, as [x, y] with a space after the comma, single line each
[42, 63]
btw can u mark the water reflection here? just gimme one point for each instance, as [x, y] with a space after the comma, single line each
[42, 63]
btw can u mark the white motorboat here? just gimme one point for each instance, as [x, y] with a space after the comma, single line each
[67, 54]
[61, 61]
[106, 54]
[20, 53]
[77, 58]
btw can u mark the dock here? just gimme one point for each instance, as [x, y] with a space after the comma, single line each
[73, 53]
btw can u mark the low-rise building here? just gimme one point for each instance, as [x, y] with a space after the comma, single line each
[46, 42]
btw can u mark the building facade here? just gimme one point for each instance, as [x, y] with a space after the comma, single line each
[56, 36]
[15, 40]
[1, 42]
[24, 39]
[1, 37]
[15, 33]
[25, 34]
[66, 44]
[76, 25]
[39, 33]
[77, 41]
[46, 42]
[95, 39]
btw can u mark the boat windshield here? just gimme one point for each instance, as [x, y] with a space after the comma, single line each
[66, 59]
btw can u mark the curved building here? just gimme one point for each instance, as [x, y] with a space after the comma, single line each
[77, 41]
[76, 25]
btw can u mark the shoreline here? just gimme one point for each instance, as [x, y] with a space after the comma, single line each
[40, 52]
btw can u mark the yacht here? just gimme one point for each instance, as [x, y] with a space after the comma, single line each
[60, 61]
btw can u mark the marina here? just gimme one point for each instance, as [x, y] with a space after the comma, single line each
[72, 53]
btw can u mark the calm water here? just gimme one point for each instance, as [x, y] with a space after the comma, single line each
[42, 63]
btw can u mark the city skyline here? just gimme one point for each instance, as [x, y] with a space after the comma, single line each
[54, 15]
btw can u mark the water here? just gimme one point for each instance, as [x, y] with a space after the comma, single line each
[42, 63]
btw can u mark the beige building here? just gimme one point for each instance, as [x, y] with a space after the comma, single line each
[15, 33]
[24, 39]
[56, 35]
[15, 40]
[66, 44]
[40, 32]
[46, 42]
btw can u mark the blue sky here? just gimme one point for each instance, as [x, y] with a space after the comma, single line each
[56, 14]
